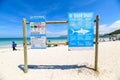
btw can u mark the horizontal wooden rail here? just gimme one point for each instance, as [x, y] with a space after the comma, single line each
[53, 22]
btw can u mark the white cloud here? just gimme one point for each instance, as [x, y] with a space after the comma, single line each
[56, 34]
[103, 29]
[89, 2]
[115, 26]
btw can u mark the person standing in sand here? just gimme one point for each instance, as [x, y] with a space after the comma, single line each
[14, 45]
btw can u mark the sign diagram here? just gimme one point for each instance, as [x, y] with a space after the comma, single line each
[81, 31]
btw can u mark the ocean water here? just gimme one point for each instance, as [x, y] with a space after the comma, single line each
[7, 42]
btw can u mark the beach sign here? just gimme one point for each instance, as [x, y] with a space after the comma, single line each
[80, 30]
[38, 32]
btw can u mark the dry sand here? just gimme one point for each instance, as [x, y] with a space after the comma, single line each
[57, 63]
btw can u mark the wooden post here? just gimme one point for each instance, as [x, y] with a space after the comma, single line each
[25, 46]
[96, 43]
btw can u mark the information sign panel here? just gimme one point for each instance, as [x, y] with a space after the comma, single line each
[38, 32]
[80, 30]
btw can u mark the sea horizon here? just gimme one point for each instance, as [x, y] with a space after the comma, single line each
[7, 42]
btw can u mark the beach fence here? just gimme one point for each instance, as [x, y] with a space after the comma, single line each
[25, 22]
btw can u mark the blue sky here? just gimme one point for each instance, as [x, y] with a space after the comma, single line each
[12, 12]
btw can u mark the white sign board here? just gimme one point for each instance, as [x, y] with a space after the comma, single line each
[38, 33]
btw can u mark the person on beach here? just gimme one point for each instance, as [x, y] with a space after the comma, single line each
[14, 45]
[49, 41]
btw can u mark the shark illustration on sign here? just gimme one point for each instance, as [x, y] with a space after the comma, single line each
[82, 31]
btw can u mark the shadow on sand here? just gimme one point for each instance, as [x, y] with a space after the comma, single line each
[62, 67]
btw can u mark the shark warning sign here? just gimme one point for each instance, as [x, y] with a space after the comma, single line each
[80, 30]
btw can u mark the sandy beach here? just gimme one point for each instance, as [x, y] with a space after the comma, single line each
[57, 63]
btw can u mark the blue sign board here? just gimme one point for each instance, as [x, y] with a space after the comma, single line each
[38, 32]
[37, 19]
[80, 30]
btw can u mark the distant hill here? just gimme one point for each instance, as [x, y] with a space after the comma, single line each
[63, 36]
[115, 32]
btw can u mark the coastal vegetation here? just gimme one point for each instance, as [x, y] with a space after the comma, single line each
[115, 32]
